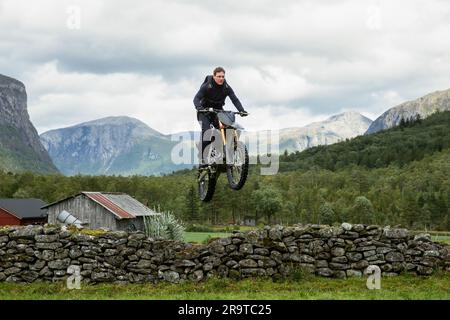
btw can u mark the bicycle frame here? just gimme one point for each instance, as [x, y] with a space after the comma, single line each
[222, 128]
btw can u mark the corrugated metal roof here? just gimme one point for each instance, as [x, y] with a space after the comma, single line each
[24, 208]
[130, 204]
[120, 204]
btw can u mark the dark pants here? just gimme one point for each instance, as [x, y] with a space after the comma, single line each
[205, 120]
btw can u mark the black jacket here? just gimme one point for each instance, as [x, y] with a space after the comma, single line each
[212, 95]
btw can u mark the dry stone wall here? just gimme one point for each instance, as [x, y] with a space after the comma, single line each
[36, 253]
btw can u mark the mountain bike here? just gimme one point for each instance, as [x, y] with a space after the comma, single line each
[224, 156]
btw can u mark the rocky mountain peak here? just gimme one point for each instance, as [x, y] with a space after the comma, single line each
[19, 141]
[349, 116]
[423, 106]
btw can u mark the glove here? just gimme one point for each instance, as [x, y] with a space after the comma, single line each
[244, 113]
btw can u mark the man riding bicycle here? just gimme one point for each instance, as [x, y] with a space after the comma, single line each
[212, 94]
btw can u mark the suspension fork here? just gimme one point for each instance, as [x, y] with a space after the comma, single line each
[224, 140]
[222, 133]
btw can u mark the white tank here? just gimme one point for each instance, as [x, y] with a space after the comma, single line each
[67, 218]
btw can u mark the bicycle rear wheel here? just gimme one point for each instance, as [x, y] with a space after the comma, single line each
[206, 184]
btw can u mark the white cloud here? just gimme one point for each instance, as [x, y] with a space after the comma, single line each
[289, 62]
[278, 117]
[269, 84]
[79, 97]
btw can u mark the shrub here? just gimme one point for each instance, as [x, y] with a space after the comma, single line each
[164, 226]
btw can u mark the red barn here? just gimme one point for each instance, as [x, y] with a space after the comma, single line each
[22, 212]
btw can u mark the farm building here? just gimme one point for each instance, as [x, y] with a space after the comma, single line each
[22, 212]
[249, 221]
[95, 210]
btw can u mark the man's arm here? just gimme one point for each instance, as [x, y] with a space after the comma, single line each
[235, 100]
[199, 96]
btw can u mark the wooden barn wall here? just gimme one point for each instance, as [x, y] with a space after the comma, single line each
[86, 210]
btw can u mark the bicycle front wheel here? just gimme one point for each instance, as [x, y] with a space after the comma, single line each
[237, 171]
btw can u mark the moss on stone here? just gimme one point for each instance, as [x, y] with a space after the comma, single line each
[93, 232]
[90, 232]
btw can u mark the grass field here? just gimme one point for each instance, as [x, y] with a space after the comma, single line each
[304, 287]
[200, 237]
[214, 232]
[440, 238]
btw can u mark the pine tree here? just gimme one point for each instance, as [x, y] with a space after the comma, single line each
[192, 209]
[363, 211]
[326, 213]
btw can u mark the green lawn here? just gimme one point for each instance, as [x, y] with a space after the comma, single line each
[199, 237]
[218, 231]
[440, 238]
[304, 287]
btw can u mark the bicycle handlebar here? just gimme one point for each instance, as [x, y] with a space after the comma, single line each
[220, 110]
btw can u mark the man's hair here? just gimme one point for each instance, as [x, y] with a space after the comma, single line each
[217, 70]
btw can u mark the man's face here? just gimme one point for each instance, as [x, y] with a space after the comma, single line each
[219, 78]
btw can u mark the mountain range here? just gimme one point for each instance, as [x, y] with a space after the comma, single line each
[127, 146]
[110, 146]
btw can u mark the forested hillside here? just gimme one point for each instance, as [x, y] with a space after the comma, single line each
[409, 141]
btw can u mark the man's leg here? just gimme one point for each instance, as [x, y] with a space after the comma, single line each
[205, 123]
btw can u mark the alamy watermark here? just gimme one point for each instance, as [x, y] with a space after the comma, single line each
[374, 279]
[227, 146]
[73, 21]
[374, 20]
[74, 280]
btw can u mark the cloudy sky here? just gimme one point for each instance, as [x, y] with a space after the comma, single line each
[289, 62]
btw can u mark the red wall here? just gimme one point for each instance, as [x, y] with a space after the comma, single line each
[8, 219]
